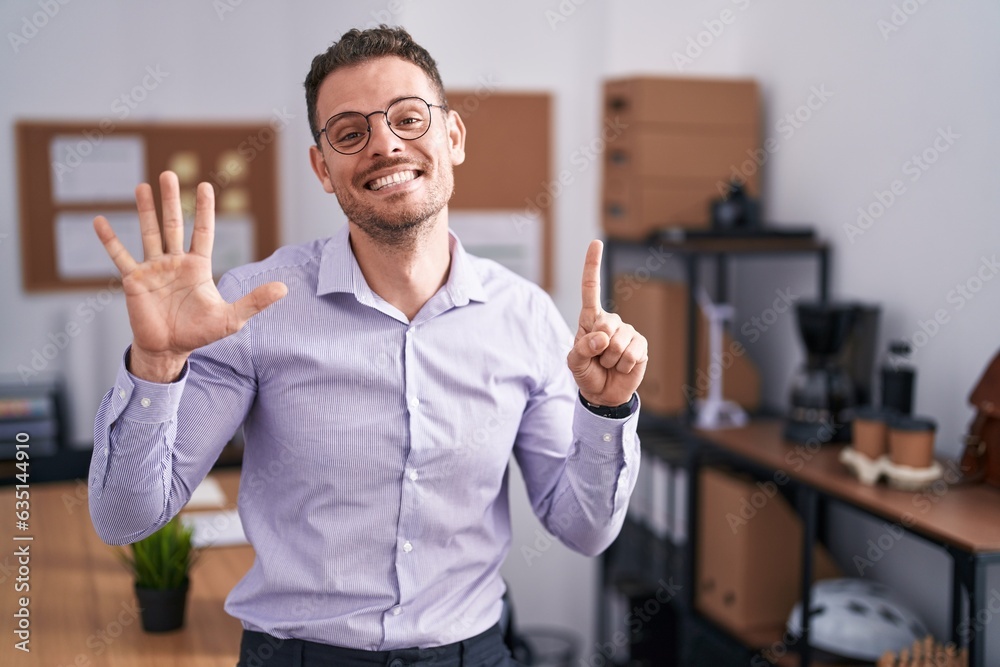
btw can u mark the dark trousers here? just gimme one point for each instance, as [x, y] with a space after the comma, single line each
[262, 650]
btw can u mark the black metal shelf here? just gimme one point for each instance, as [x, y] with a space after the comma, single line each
[691, 248]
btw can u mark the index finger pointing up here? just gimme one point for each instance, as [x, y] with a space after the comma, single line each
[592, 275]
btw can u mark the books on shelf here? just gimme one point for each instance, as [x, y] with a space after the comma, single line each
[29, 414]
[26, 407]
[659, 501]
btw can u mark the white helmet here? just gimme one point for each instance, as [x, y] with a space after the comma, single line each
[856, 618]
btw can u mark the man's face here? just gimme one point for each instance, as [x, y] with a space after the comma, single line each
[396, 212]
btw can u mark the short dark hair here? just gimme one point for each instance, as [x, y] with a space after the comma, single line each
[360, 46]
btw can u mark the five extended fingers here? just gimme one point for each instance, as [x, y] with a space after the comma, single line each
[171, 238]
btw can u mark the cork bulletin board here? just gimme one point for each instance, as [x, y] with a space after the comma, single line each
[70, 172]
[503, 202]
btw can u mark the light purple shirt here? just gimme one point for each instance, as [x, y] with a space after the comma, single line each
[374, 479]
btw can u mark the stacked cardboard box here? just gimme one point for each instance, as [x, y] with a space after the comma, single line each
[749, 553]
[672, 146]
[658, 309]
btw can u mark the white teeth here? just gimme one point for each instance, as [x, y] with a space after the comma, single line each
[392, 179]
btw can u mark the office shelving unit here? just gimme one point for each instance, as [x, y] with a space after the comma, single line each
[632, 567]
[961, 521]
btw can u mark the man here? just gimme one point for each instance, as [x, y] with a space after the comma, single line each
[381, 392]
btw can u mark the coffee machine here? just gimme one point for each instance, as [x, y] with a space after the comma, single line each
[836, 376]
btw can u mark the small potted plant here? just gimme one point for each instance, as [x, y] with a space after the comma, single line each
[160, 564]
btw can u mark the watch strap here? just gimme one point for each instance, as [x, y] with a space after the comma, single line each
[610, 411]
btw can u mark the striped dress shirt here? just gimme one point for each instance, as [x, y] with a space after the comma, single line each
[374, 479]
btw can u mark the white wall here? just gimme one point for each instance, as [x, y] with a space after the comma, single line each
[890, 97]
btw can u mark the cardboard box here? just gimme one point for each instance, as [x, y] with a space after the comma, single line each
[658, 309]
[682, 101]
[680, 156]
[635, 208]
[749, 557]
[677, 143]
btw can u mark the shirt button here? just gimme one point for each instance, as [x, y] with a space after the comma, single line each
[121, 393]
[396, 611]
[413, 475]
[607, 437]
[414, 402]
[145, 402]
[407, 547]
[107, 450]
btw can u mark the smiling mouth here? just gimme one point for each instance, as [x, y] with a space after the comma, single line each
[392, 179]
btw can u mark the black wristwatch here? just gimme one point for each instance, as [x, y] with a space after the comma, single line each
[611, 412]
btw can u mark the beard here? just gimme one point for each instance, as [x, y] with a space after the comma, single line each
[394, 222]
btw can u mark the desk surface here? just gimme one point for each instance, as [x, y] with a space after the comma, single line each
[964, 516]
[82, 604]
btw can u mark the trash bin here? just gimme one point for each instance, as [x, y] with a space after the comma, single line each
[549, 647]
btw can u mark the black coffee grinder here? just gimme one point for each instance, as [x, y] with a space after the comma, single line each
[840, 352]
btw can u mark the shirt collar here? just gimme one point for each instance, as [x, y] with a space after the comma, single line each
[339, 272]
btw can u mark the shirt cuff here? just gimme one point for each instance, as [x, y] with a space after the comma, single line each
[146, 402]
[604, 433]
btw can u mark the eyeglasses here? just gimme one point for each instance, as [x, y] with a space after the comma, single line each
[408, 118]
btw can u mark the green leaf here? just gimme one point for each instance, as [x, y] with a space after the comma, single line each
[163, 559]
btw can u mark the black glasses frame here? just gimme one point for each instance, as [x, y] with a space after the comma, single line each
[385, 116]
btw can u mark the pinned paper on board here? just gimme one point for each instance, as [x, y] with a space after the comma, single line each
[79, 253]
[234, 242]
[70, 172]
[96, 168]
[508, 128]
[511, 238]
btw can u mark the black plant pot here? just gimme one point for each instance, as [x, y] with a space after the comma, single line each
[162, 610]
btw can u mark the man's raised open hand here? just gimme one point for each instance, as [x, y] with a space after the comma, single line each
[608, 358]
[173, 304]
